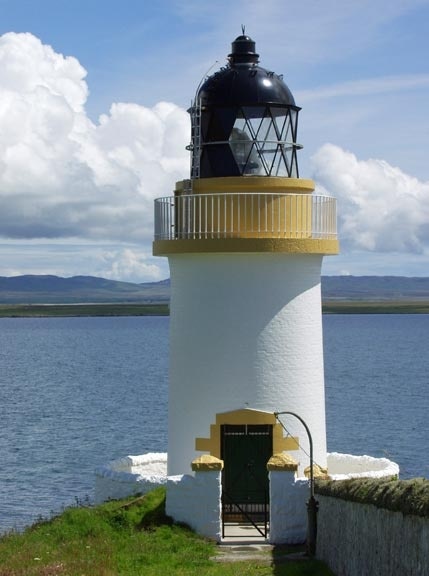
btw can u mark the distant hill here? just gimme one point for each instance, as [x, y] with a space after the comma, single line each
[33, 289]
[374, 288]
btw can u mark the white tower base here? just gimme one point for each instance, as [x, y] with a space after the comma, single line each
[246, 332]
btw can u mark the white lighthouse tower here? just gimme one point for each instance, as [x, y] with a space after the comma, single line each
[245, 237]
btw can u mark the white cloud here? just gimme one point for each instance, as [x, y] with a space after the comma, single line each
[380, 208]
[66, 178]
[28, 66]
[61, 175]
[73, 257]
[129, 265]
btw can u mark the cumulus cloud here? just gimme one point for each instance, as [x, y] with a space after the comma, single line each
[61, 175]
[128, 265]
[73, 257]
[380, 208]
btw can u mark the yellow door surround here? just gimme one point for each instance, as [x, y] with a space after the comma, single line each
[212, 445]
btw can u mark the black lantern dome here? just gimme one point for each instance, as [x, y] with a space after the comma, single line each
[244, 120]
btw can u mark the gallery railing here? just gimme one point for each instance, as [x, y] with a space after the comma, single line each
[245, 215]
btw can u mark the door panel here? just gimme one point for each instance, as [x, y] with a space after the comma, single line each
[246, 450]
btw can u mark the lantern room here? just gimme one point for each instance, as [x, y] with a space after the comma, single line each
[244, 120]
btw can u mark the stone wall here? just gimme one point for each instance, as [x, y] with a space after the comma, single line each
[357, 539]
[288, 508]
[196, 501]
[130, 475]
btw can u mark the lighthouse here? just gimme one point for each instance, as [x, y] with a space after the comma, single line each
[245, 237]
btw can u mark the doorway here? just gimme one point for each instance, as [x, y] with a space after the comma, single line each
[245, 450]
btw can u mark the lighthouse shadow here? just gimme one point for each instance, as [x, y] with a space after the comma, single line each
[282, 554]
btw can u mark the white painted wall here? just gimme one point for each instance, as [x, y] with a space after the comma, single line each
[289, 494]
[288, 508]
[343, 466]
[246, 331]
[196, 501]
[201, 494]
[130, 475]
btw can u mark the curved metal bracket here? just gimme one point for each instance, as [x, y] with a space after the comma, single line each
[312, 504]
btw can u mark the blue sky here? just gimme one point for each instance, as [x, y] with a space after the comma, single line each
[93, 123]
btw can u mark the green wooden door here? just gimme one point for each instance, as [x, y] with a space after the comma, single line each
[246, 450]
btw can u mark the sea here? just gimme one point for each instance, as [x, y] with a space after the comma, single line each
[78, 392]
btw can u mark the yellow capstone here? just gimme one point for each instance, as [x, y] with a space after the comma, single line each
[206, 462]
[282, 463]
[318, 471]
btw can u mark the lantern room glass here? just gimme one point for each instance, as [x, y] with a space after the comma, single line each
[262, 141]
[249, 141]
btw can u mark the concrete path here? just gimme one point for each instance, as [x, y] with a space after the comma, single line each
[244, 543]
[261, 553]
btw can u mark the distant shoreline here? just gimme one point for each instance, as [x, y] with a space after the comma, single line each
[376, 307]
[162, 309]
[70, 310]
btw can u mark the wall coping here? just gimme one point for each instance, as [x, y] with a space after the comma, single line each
[318, 471]
[282, 463]
[206, 463]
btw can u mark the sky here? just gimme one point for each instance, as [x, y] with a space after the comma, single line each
[93, 123]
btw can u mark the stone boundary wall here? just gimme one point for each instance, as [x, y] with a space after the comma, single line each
[357, 539]
[130, 475]
[196, 501]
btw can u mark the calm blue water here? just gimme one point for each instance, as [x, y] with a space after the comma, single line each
[77, 392]
[377, 387]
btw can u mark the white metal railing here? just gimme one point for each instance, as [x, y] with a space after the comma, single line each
[245, 215]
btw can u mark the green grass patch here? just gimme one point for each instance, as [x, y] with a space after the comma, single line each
[375, 307]
[162, 309]
[61, 310]
[126, 538]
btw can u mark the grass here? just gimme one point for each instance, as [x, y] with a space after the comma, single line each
[162, 309]
[376, 307]
[65, 310]
[127, 538]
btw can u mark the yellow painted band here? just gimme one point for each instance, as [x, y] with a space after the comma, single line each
[274, 184]
[235, 245]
